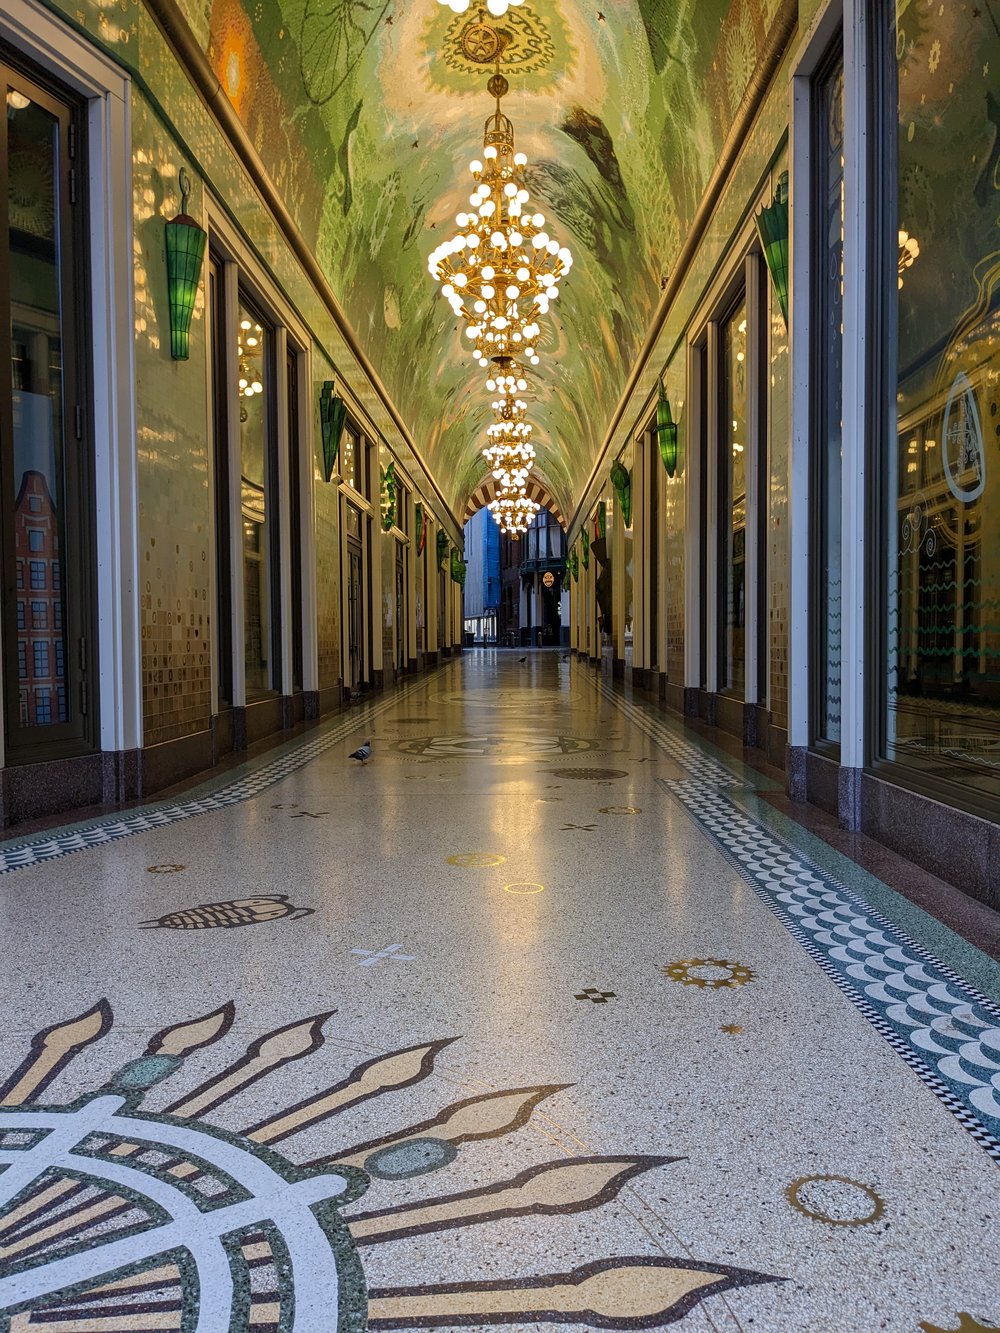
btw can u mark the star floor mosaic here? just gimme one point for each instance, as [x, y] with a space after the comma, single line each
[19, 853]
[113, 1215]
[945, 1029]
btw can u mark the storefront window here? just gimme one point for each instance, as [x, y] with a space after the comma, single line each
[733, 502]
[828, 383]
[943, 625]
[257, 498]
[44, 473]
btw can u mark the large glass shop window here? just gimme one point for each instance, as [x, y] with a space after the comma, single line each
[258, 502]
[943, 626]
[45, 537]
[828, 379]
[733, 502]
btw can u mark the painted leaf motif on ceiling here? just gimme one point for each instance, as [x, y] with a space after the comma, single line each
[366, 114]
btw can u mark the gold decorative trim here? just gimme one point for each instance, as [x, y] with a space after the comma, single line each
[878, 1204]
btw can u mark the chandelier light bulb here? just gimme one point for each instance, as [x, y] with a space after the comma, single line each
[460, 6]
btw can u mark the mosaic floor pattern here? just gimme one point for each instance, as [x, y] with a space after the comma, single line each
[497, 1048]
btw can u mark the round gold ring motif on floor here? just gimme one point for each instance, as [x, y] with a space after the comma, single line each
[524, 889]
[164, 869]
[877, 1203]
[682, 971]
[620, 810]
[476, 860]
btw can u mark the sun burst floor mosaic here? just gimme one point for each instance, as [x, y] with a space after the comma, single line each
[541, 1017]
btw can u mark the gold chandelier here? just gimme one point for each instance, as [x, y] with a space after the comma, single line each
[501, 269]
[514, 512]
[500, 272]
[509, 452]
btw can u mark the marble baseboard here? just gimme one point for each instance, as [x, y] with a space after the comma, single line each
[172, 761]
[823, 782]
[952, 844]
[33, 791]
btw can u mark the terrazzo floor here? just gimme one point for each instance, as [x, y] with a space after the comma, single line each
[544, 1016]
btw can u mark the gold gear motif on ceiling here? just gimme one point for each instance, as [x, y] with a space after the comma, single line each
[529, 48]
[480, 43]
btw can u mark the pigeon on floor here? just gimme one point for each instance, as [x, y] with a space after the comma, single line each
[523, 659]
[363, 752]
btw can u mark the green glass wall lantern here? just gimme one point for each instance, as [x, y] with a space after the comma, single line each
[601, 521]
[388, 496]
[185, 252]
[458, 567]
[772, 227]
[621, 480]
[442, 547]
[332, 415]
[585, 543]
[573, 561]
[666, 432]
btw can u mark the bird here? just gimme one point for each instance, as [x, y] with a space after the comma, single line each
[523, 659]
[363, 752]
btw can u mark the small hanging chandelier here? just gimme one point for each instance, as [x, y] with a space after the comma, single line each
[501, 269]
[514, 512]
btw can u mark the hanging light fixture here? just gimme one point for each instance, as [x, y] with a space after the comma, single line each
[514, 512]
[185, 248]
[501, 270]
[506, 376]
[666, 432]
[496, 7]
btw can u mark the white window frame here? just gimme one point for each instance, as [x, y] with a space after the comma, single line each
[742, 269]
[850, 14]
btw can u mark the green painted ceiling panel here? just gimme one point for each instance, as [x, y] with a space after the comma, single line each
[366, 114]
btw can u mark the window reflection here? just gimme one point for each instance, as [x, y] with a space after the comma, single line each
[828, 389]
[36, 327]
[943, 629]
[733, 497]
[257, 502]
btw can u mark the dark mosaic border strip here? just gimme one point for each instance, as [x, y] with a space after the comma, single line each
[254, 778]
[949, 1093]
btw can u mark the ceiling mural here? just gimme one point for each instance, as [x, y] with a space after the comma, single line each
[366, 113]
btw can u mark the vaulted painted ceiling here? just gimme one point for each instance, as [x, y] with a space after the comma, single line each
[366, 114]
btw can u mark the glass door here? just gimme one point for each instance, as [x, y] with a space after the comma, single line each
[400, 611]
[258, 503]
[45, 467]
[733, 502]
[355, 662]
